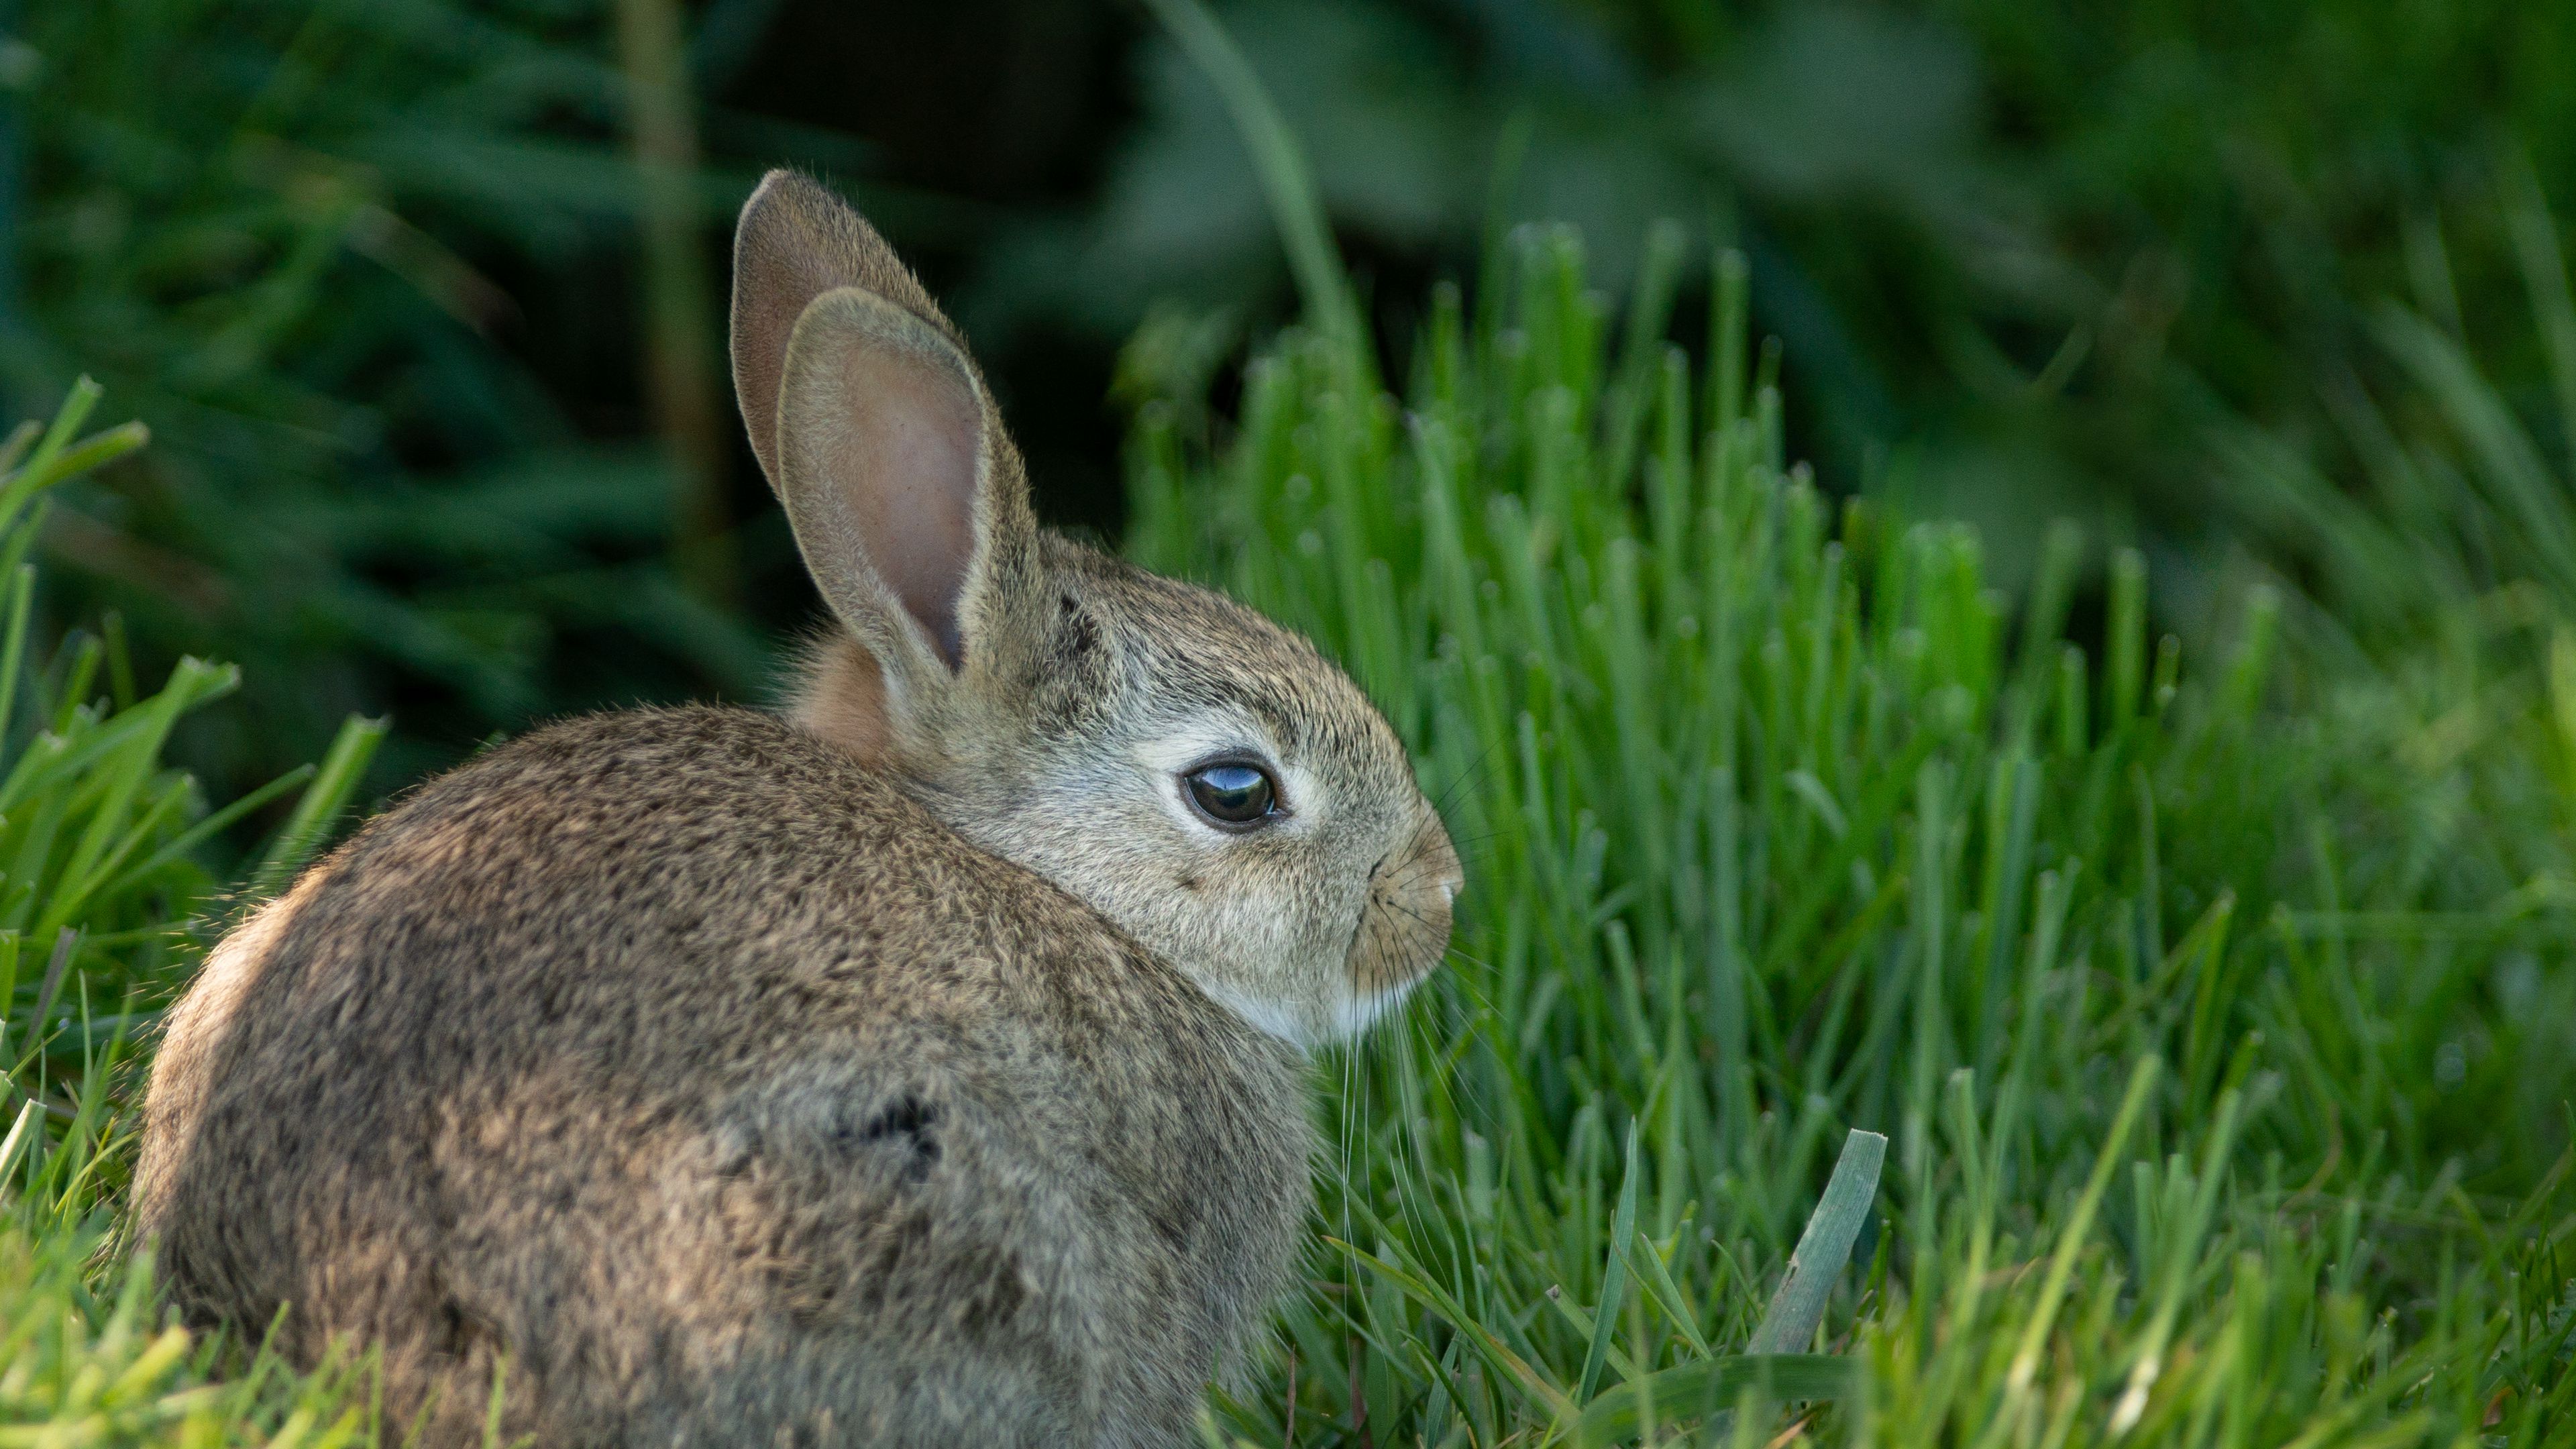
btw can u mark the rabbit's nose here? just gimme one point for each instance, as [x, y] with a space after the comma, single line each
[1439, 857]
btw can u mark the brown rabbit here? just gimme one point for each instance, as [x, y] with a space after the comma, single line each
[923, 1068]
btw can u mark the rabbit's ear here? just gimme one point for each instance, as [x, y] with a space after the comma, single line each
[905, 495]
[795, 242]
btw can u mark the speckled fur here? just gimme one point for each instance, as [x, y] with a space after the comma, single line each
[908, 1070]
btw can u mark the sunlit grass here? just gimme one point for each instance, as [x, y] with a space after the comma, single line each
[1781, 822]
[2220, 1017]
[105, 906]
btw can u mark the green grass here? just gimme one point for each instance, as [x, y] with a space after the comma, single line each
[2217, 1012]
[106, 904]
[273, 227]
[2219, 1114]
[2225, 1090]
[2217, 1015]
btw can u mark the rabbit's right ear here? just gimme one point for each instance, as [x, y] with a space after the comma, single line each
[875, 430]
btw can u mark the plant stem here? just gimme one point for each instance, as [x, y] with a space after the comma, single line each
[678, 373]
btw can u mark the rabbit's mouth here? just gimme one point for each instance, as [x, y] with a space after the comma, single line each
[1403, 929]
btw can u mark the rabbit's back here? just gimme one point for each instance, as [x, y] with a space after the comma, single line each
[728, 1095]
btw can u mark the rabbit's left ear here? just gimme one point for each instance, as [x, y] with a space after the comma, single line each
[875, 429]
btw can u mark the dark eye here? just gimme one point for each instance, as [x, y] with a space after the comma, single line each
[1232, 794]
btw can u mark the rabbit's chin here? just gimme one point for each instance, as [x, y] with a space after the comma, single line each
[1310, 1024]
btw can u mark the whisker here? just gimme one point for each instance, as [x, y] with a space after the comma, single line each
[1475, 768]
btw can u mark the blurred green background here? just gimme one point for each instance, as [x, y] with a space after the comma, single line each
[422, 299]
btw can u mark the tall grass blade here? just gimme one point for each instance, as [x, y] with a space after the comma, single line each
[1296, 207]
[1824, 1249]
[334, 785]
[1614, 1276]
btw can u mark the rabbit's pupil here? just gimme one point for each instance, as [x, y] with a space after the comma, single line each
[1233, 794]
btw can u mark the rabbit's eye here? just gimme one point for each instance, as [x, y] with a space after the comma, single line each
[1232, 794]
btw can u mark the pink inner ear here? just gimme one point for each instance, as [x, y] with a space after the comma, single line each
[906, 479]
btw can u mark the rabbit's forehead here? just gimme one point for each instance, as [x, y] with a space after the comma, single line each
[1334, 753]
[1205, 673]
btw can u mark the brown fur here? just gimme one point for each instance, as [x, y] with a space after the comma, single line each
[707, 1075]
[845, 700]
[913, 1070]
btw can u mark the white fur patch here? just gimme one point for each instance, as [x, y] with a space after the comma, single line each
[1358, 1013]
[1352, 1015]
[1269, 1016]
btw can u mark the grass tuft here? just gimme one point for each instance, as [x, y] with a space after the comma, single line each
[1782, 823]
[105, 905]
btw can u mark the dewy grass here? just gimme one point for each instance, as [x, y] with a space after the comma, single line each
[1781, 823]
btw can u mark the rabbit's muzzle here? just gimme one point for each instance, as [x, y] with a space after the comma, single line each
[1404, 926]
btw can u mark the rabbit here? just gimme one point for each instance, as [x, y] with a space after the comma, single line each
[923, 1064]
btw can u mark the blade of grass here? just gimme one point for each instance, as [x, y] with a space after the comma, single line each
[343, 768]
[2079, 1227]
[214, 823]
[1613, 1416]
[1824, 1249]
[1296, 208]
[1614, 1275]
